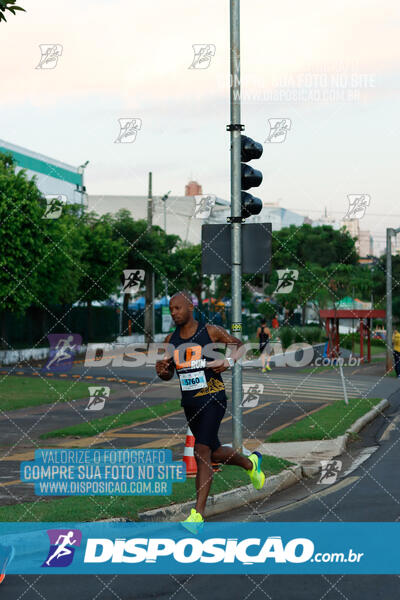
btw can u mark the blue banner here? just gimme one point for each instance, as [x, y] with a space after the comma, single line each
[87, 472]
[167, 548]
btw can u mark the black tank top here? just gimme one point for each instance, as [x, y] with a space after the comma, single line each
[199, 385]
[264, 337]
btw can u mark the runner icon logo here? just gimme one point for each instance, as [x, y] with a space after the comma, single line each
[98, 396]
[62, 547]
[63, 347]
[330, 469]
[251, 394]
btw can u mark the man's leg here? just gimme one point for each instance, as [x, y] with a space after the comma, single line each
[262, 359]
[396, 356]
[229, 456]
[204, 475]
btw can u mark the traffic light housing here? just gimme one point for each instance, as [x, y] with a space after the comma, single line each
[250, 177]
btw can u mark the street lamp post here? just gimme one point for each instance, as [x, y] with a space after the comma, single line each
[81, 170]
[389, 316]
[164, 200]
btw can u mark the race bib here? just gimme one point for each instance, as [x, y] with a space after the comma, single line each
[193, 381]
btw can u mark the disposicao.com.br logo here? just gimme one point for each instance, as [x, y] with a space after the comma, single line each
[212, 550]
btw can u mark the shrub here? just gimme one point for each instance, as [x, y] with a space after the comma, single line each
[286, 335]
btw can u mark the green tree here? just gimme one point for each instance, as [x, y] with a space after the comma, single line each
[306, 244]
[60, 269]
[145, 248]
[166, 255]
[379, 284]
[324, 287]
[10, 6]
[102, 261]
[267, 309]
[184, 272]
[22, 239]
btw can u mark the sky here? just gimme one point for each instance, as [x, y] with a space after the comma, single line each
[332, 69]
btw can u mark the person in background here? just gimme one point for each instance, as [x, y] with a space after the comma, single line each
[264, 334]
[275, 322]
[396, 350]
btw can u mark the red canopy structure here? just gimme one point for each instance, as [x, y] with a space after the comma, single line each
[332, 318]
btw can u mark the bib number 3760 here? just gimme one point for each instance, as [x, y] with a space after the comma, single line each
[193, 381]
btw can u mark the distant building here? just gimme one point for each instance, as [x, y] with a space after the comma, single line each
[353, 227]
[53, 177]
[365, 244]
[395, 244]
[193, 189]
[179, 212]
[271, 212]
[326, 219]
[363, 241]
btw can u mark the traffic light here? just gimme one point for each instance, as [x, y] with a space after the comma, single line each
[250, 177]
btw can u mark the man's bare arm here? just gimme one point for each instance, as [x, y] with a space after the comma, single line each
[165, 367]
[219, 334]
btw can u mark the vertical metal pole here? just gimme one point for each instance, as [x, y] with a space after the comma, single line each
[389, 354]
[83, 190]
[236, 212]
[149, 275]
[165, 231]
[346, 400]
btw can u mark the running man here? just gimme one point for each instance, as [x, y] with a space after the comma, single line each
[62, 549]
[61, 350]
[264, 335]
[204, 399]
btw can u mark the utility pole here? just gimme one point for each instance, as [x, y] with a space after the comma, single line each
[236, 272]
[164, 199]
[81, 171]
[149, 275]
[389, 329]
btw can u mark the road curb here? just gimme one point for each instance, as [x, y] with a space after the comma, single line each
[369, 416]
[219, 503]
[339, 443]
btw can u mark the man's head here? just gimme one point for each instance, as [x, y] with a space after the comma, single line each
[181, 307]
[263, 322]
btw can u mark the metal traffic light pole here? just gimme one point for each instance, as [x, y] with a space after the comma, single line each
[236, 270]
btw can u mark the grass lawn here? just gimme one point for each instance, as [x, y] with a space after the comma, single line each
[374, 349]
[113, 421]
[20, 392]
[327, 423]
[95, 508]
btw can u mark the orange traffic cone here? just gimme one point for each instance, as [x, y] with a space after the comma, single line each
[188, 455]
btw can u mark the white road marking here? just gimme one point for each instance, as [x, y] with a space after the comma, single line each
[391, 427]
[314, 495]
[362, 457]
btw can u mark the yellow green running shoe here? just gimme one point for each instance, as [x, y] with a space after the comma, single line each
[194, 523]
[256, 475]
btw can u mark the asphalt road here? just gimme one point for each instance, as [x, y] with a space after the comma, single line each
[369, 492]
